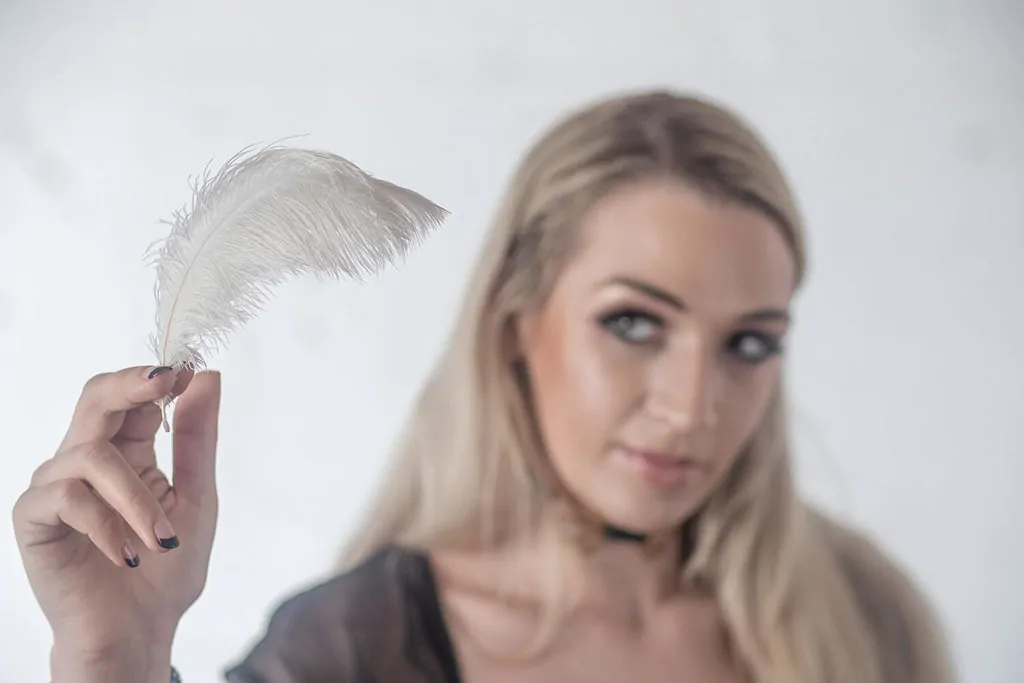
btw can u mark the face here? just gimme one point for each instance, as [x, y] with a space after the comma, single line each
[654, 358]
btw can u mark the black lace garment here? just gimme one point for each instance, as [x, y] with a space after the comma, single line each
[380, 622]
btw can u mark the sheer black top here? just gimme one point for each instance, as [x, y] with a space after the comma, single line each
[380, 622]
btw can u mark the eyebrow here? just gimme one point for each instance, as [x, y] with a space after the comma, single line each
[762, 314]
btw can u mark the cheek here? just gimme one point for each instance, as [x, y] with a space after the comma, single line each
[581, 390]
[742, 408]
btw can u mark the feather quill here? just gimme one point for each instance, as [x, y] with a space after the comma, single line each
[265, 216]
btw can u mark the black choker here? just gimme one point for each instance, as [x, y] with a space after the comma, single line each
[614, 533]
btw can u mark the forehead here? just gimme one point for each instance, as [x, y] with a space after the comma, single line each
[707, 252]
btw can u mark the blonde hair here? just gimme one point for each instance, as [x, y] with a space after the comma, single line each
[805, 600]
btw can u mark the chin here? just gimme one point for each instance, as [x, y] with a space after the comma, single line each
[648, 516]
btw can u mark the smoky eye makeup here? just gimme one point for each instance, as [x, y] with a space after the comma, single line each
[632, 325]
[636, 325]
[754, 346]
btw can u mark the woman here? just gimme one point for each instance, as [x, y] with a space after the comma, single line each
[594, 486]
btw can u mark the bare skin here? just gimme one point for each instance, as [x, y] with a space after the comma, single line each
[670, 638]
[686, 383]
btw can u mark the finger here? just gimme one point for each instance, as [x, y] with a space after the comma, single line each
[102, 467]
[107, 397]
[141, 424]
[195, 438]
[181, 383]
[42, 513]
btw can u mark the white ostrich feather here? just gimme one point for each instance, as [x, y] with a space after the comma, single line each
[264, 217]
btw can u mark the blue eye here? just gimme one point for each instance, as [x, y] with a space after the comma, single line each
[754, 347]
[632, 327]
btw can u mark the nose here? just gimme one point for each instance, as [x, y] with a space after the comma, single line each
[684, 389]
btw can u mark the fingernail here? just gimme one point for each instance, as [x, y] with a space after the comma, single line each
[158, 370]
[131, 558]
[165, 535]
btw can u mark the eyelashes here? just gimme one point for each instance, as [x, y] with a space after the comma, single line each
[755, 347]
[632, 326]
[640, 329]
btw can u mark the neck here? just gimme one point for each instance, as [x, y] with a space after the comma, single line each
[621, 574]
[627, 574]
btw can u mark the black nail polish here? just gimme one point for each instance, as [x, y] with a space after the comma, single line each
[132, 562]
[156, 371]
[168, 543]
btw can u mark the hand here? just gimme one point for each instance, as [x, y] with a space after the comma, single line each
[115, 553]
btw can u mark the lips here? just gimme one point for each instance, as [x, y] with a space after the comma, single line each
[660, 469]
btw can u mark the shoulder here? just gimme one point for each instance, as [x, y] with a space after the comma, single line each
[325, 632]
[912, 641]
[376, 586]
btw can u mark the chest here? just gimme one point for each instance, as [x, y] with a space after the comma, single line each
[608, 666]
[590, 652]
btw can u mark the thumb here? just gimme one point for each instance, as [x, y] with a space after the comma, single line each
[195, 438]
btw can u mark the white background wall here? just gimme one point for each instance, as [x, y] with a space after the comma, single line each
[900, 123]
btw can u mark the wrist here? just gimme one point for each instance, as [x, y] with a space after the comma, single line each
[128, 661]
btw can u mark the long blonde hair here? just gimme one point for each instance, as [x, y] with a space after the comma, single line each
[805, 600]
